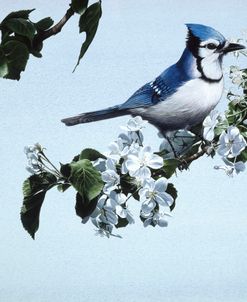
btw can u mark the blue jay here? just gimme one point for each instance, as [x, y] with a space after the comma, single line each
[182, 95]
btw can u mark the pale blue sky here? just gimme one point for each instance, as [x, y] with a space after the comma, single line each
[201, 256]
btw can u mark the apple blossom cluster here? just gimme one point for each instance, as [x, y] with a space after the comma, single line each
[32, 153]
[226, 134]
[228, 145]
[129, 158]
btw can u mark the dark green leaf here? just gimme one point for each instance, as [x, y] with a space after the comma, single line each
[20, 26]
[173, 192]
[89, 23]
[128, 186]
[17, 55]
[221, 127]
[170, 166]
[34, 190]
[63, 187]
[65, 170]
[91, 154]
[85, 179]
[3, 63]
[44, 24]
[76, 158]
[79, 6]
[191, 151]
[243, 156]
[35, 53]
[122, 222]
[84, 208]
[19, 14]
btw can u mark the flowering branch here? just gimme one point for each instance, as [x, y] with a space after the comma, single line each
[106, 184]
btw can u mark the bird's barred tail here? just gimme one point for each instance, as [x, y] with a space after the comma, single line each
[94, 116]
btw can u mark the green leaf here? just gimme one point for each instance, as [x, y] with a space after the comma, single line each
[84, 208]
[17, 55]
[91, 154]
[65, 170]
[21, 26]
[173, 192]
[19, 14]
[89, 23]
[34, 190]
[194, 149]
[122, 222]
[44, 24]
[128, 186]
[221, 127]
[85, 179]
[79, 6]
[170, 166]
[243, 156]
[63, 187]
[3, 63]
[36, 54]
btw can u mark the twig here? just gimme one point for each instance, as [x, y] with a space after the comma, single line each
[42, 35]
[187, 161]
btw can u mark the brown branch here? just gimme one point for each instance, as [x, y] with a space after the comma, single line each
[42, 35]
[188, 160]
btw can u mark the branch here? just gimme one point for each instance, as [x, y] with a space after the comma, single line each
[42, 35]
[188, 160]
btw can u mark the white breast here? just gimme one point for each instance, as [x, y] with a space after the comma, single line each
[187, 107]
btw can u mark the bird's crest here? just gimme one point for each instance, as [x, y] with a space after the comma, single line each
[203, 32]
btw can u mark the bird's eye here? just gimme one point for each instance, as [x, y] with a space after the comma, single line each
[211, 46]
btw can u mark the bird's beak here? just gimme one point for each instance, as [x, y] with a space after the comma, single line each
[232, 47]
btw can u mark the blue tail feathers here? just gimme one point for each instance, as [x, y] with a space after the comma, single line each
[94, 116]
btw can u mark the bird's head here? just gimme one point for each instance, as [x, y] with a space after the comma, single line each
[206, 42]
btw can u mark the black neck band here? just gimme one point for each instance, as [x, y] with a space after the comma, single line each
[203, 76]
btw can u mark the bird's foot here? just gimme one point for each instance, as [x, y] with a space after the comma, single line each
[184, 165]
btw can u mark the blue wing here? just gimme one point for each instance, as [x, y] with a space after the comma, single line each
[157, 91]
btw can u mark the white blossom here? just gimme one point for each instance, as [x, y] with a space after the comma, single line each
[138, 164]
[34, 165]
[132, 137]
[237, 75]
[118, 149]
[36, 148]
[120, 207]
[157, 218]
[209, 124]
[231, 167]
[104, 212]
[134, 133]
[110, 176]
[231, 142]
[236, 99]
[135, 124]
[155, 192]
[100, 164]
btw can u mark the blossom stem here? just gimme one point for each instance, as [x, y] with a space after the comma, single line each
[237, 112]
[132, 194]
[47, 159]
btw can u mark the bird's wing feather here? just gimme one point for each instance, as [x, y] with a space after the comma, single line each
[149, 94]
